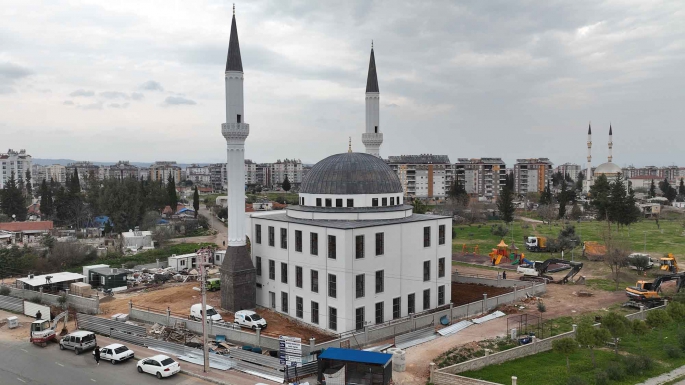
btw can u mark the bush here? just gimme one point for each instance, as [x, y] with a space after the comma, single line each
[601, 378]
[4, 290]
[614, 371]
[638, 364]
[673, 351]
[576, 380]
[36, 299]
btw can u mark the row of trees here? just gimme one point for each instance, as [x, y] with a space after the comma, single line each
[669, 192]
[614, 202]
[15, 196]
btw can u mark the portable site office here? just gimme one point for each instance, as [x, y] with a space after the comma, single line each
[347, 366]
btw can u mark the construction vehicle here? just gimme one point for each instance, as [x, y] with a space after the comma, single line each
[648, 294]
[669, 263]
[634, 256]
[537, 271]
[43, 330]
[539, 244]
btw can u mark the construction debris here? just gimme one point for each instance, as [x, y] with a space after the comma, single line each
[583, 293]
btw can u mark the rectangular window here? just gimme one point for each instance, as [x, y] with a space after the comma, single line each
[315, 281]
[380, 243]
[332, 286]
[411, 305]
[392, 201]
[379, 312]
[298, 240]
[272, 299]
[374, 202]
[258, 233]
[441, 235]
[298, 276]
[318, 202]
[258, 267]
[331, 247]
[426, 236]
[329, 202]
[380, 281]
[441, 295]
[359, 285]
[441, 267]
[299, 307]
[384, 201]
[359, 318]
[359, 246]
[314, 243]
[338, 202]
[426, 271]
[315, 312]
[396, 307]
[284, 302]
[426, 299]
[284, 238]
[272, 240]
[272, 269]
[284, 272]
[350, 203]
[332, 318]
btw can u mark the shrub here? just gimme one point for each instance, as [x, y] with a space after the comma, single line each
[4, 290]
[614, 371]
[576, 380]
[672, 351]
[601, 378]
[36, 299]
[62, 299]
[638, 364]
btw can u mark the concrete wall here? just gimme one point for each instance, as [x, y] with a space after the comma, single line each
[460, 278]
[81, 304]
[451, 379]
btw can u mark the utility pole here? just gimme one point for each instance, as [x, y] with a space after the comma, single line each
[204, 254]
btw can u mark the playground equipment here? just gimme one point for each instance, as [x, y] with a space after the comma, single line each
[465, 250]
[504, 253]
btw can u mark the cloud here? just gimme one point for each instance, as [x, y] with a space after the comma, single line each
[13, 71]
[177, 100]
[151, 85]
[6, 90]
[392, 105]
[114, 95]
[117, 105]
[92, 106]
[68, 103]
[82, 93]
[137, 96]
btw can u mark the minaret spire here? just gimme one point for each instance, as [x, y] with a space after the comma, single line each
[349, 145]
[234, 61]
[611, 143]
[372, 137]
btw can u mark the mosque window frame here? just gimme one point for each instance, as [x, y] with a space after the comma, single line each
[350, 202]
[318, 202]
[338, 202]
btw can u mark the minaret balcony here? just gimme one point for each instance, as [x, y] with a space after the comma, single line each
[372, 138]
[235, 131]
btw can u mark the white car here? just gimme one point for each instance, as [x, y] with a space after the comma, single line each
[159, 365]
[115, 353]
[250, 319]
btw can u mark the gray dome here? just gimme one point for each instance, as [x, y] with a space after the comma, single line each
[608, 168]
[351, 173]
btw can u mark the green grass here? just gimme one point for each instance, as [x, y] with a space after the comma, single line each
[550, 367]
[607, 284]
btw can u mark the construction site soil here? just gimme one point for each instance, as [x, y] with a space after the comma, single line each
[463, 293]
[178, 297]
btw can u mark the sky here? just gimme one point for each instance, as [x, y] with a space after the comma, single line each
[143, 80]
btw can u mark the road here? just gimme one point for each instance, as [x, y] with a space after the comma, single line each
[24, 363]
[216, 224]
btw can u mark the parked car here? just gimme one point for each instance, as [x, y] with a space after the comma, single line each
[196, 313]
[115, 353]
[78, 341]
[250, 319]
[159, 365]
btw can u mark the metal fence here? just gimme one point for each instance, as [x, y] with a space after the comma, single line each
[15, 305]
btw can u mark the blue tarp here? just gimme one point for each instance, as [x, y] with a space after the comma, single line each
[100, 221]
[360, 356]
[185, 209]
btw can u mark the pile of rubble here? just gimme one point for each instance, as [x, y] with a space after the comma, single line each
[179, 334]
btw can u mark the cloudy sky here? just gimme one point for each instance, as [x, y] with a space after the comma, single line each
[143, 80]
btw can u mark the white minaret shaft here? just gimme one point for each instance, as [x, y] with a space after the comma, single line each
[235, 130]
[372, 137]
[589, 152]
[611, 144]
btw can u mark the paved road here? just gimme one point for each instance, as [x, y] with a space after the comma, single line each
[216, 224]
[24, 363]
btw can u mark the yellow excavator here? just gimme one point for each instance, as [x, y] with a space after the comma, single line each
[669, 263]
[649, 293]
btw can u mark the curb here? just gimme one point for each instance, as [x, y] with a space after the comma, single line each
[212, 380]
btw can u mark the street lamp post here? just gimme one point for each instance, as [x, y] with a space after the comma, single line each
[645, 247]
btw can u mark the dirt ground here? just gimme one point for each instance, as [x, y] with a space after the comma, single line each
[463, 293]
[180, 296]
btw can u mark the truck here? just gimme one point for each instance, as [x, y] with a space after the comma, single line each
[539, 244]
[214, 284]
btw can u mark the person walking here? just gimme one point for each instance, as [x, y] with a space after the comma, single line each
[97, 354]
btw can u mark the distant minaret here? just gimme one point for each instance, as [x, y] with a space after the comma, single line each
[611, 144]
[589, 153]
[238, 279]
[372, 138]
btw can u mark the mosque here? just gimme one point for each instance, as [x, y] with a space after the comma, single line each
[352, 253]
[610, 169]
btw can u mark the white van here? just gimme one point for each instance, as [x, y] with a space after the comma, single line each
[250, 319]
[78, 341]
[196, 313]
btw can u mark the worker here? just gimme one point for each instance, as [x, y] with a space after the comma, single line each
[39, 315]
[97, 354]
[504, 275]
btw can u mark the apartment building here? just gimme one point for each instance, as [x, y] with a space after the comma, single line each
[292, 168]
[85, 170]
[250, 173]
[532, 175]
[571, 169]
[14, 162]
[423, 176]
[121, 170]
[482, 177]
[162, 169]
[198, 174]
[672, 173]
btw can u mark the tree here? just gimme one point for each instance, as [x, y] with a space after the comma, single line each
[108, 228]
[562, 197]
[591, 337]
[28, 187]
[565, 346]
[599, 194]
[616, 255]
[505, 201]
[652, 190]
[286, 184]
[668, 191]
[419, 206]
[457, 193]
[548, 213]
[576, 212]
[196, 201]
[43, 191]
[641, 263]
[499, 230]
[681, 187]
[171, 193]
[617, 325]
[631, 213]
[657, 319]
[567, 238]
[579, 181]
[676, 311]
[12, 201]
[638, 328]
[617, 199]
[546, 196]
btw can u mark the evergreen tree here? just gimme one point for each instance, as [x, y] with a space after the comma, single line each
[458, 193]
[546, 196]
[196, 201]
[617, 201]
[28, 187]
[599, 195]
[74, 185]
[171, 193]
[505, 201]
[681, 187]
[43, 191]
[12, 200]
[631, 213]
[286, 184]
[47, 208]
[652, 190]
[667, 190]
[562, 198]
[579, 181]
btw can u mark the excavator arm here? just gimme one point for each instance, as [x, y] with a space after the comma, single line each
[542, 270]
[59, 318]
